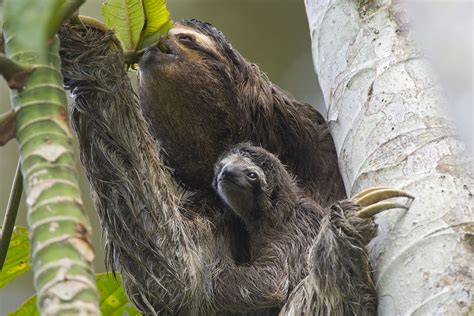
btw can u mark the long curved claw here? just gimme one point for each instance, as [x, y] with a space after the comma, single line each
[376, 208]
[367, 191]
[374, 195]
[373, 200]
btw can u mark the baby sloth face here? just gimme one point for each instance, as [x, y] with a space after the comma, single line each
[241, 184]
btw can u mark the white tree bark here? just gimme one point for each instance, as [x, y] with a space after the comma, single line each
[387, 116]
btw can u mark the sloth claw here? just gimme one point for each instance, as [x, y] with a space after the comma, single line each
[367, 191]
[376, 208]
[372, 200]
[377, 194]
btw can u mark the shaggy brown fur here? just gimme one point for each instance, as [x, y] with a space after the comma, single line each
[164, 229]
[201, 99]
[292, 238]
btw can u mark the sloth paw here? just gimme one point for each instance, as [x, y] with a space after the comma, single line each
[374, 200]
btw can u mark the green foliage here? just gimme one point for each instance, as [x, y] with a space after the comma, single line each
[127, 19]
[157, 21]
[17, 261]
[59, 228]
[28, 308]
[35, 19]
[113, 300]
[137, 23]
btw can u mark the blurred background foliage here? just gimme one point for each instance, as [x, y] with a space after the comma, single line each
[274, 34]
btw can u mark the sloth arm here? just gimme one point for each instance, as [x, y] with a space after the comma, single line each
[253, 287]
[160, 255]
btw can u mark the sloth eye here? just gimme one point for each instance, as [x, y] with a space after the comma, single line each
[186, 39]
[252, 176]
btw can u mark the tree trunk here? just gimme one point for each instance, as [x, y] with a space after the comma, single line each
[61, 251]
[386, 114]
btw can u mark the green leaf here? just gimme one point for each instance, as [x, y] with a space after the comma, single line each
[113, 300]
[137, 23]
[157, 21]
[127, 19]
[28, 308]
[17, 261]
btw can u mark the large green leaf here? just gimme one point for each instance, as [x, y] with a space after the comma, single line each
[157, 21]
[17, 261]
[137, 23]
[113, 300]
[127, 19]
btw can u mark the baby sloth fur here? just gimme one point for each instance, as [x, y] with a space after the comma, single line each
[296, 246]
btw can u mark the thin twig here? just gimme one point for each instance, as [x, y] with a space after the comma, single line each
[7, 127]
[14, 73]
[2, 47]
[74, 19]
[10, 215]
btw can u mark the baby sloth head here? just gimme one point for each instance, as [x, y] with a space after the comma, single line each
[250, 180]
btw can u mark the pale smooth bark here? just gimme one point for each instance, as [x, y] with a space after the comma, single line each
[389, 121]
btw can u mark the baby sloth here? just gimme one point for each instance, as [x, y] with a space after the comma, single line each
[305, 259]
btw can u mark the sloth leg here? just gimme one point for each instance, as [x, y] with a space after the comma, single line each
[340, 280]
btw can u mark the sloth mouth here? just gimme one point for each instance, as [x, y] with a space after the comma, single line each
[229, 181]
[159, 49]
[165, 47]
[161, 53]
[226, 180]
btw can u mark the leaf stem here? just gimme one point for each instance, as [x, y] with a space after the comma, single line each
[10, 214]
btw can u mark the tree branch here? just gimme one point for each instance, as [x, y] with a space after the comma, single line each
[10, 214]
[14, 73]
[388, 119]
[7, 127]
[67, 10]
[2, 48]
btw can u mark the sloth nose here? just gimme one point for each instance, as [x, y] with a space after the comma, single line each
[229, 172]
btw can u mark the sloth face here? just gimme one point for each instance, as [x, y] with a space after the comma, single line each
[183, 42]
[192, 53]
[241, 185]
[255, 185]
[187, 94]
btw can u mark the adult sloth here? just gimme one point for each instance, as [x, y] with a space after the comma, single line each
[201, 96]
[165, 230]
